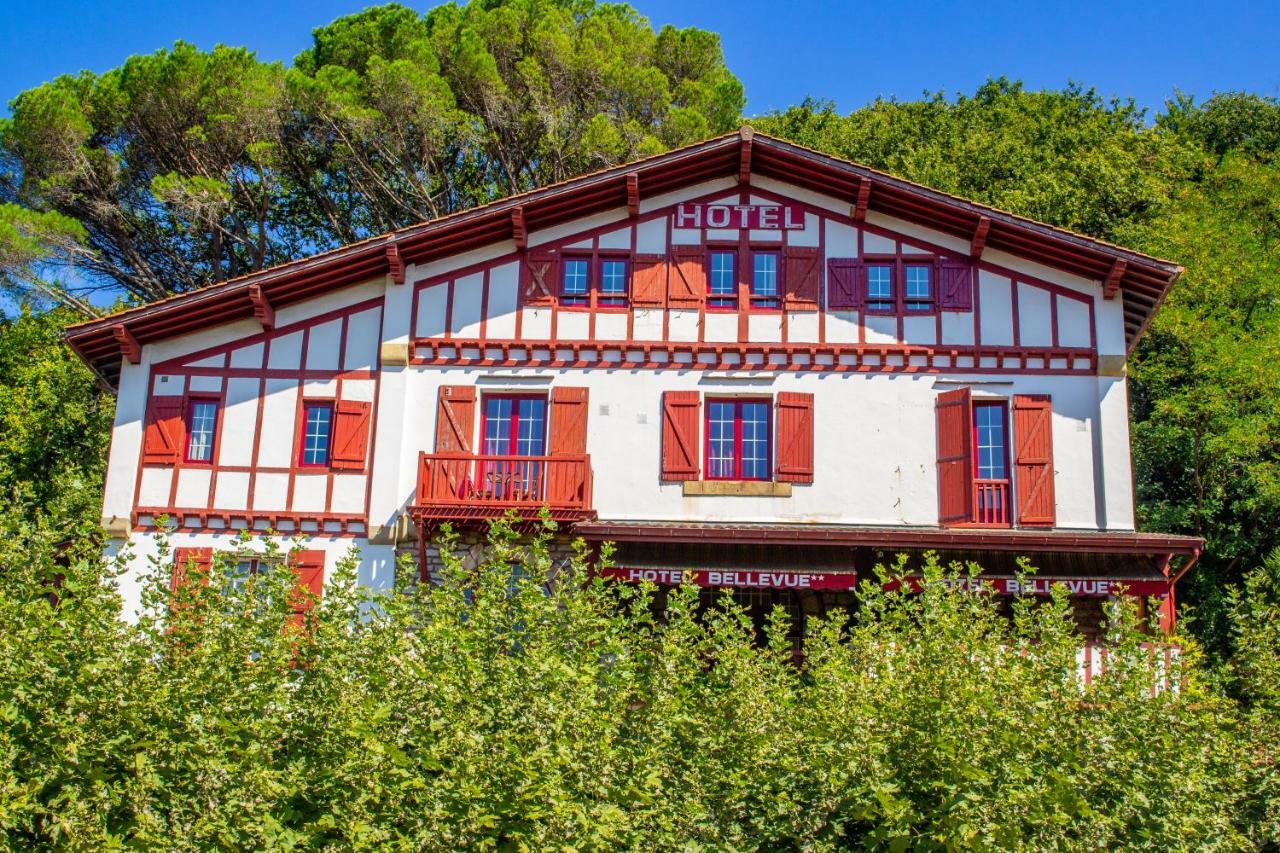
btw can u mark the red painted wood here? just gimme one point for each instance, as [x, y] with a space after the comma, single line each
[519, 234]
[795, 437]
[955, 284]
[308, 566]
[540, 278]
[844, 284]
[687, 280]
[163, 439]
[955, 457]
[681, 423]
[568, 421]
[489, 483]
[189, 561]
[649, 281]
[801, 277]
[129, 346]
[352, 421]
[455, 426]
[1033, 459]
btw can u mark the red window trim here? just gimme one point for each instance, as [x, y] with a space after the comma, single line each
[562, 295]
[737, 438]
[898, 265]
[189, 405]
[594, 296]
[733, 250]
[308, 405]
[513, 434]
[602, 257]
[776, 298]
[1007, 519]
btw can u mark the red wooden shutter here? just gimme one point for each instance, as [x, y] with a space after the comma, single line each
[649, 281]
[681, 422]
[568, 421]
[687, 281]
[795, 437]
[350, 435]
[187, 560]
[955, 457]
[1033, 459]
[162, 441]
[844, 277]
[955, 284]
[800, 276]
[308, 566]
[540, 278]
[455, 424]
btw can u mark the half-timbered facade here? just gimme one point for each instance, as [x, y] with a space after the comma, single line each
[749, 364]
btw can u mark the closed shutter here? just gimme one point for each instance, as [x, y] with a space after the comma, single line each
[795, 438]
[687, 280]
[801, 278]
[567, 479]
[350, 435]
[1033, 459]
[955, 457]
[681, 421]
[162, 441]
[455, 424]
[308, 569]
[649, 281]
[188, 561]
[844, 279]
[540, 278]
[955, 284]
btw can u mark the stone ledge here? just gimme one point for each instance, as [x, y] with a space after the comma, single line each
[395, 353]
[742, 488]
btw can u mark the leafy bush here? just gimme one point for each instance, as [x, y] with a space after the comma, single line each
[521, 705]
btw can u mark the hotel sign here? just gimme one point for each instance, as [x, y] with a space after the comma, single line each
[761, 217]
[738, 578]
[1085, 587]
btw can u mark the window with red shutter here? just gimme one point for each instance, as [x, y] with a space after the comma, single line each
[681, 416]
[687, 279]
[955, 457]
[540, 278]
[455, 426]
[801, 278]
[567, 479]
[955, 284]
[844, 276]
[1033, 459]
[649, 281]
[188, 562]
[795, 437]
[308, 567]
[350, 435]
[163, 438]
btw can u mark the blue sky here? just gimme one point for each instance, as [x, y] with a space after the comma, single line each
[782, 51]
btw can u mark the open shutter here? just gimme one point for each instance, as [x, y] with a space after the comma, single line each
[567, 479]
[350, 435]
[648, 281]
[844, 275]
[187, 561]
[801, 278]
[162, 441]
[1033, 459]
[540, 278]
[681, 416]
[308, 568]
[455, 424]
[955, 284]
[687, 281]
[955, 457]
[795, 437]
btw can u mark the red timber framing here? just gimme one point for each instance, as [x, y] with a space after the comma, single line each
[1143, 280]
[678, 280]
[350, 437]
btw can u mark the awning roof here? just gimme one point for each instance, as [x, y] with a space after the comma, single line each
[1143, 280]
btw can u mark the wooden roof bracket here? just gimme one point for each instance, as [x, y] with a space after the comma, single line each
[746, 133]
[633, 194]
[1111, 286]
[519, 233]
[129, 346]
[864, 198]
[262, 308]
[979, 241]
[395, 264]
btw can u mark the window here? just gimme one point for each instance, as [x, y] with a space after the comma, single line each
[247, 567]
[880, 296]
[202, 422]
[738, 439]
[575, 286]
[723, 286]
[764, 280]
[919, 288]
[317, 432]
[613, 283]
[512, 426]
[991, 463]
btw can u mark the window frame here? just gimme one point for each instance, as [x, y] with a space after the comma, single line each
[307, 406]
[894, 291]
[738, 403]
[624, 300]
[898, 264]
[1006, 460]
[593, 298]
[513, 436]
[771, 303]
[189, 407]
[566, 299]
[727, 303]
[908, 304]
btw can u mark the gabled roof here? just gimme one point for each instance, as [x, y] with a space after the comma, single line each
[1143, 280]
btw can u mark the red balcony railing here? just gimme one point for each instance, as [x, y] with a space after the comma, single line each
[465, 485]
[991, 503]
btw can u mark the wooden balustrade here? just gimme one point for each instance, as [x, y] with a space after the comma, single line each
[500, 482]
[991, 503]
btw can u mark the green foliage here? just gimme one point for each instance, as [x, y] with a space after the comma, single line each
[496, 710]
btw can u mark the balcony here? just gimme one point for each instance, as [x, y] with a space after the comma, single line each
[991, 503]
[464, 487]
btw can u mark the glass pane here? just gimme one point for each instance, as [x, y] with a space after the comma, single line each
[531, 426]
[880, 288]
[315, 441]
[204, 416]
[613, 282]
[755, 441]
[764, 282]
[497, 426]
[723, 281]
[918, 293]
[574, 287]
[721, 429]
[988, 423]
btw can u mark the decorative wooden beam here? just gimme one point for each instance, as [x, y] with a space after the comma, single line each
[744, 161]
[395, 264]
[979, 241]
[864, 197]
[518, 232]
[129, 346]
[262, 308]
[633, 194]
[1111, 286]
